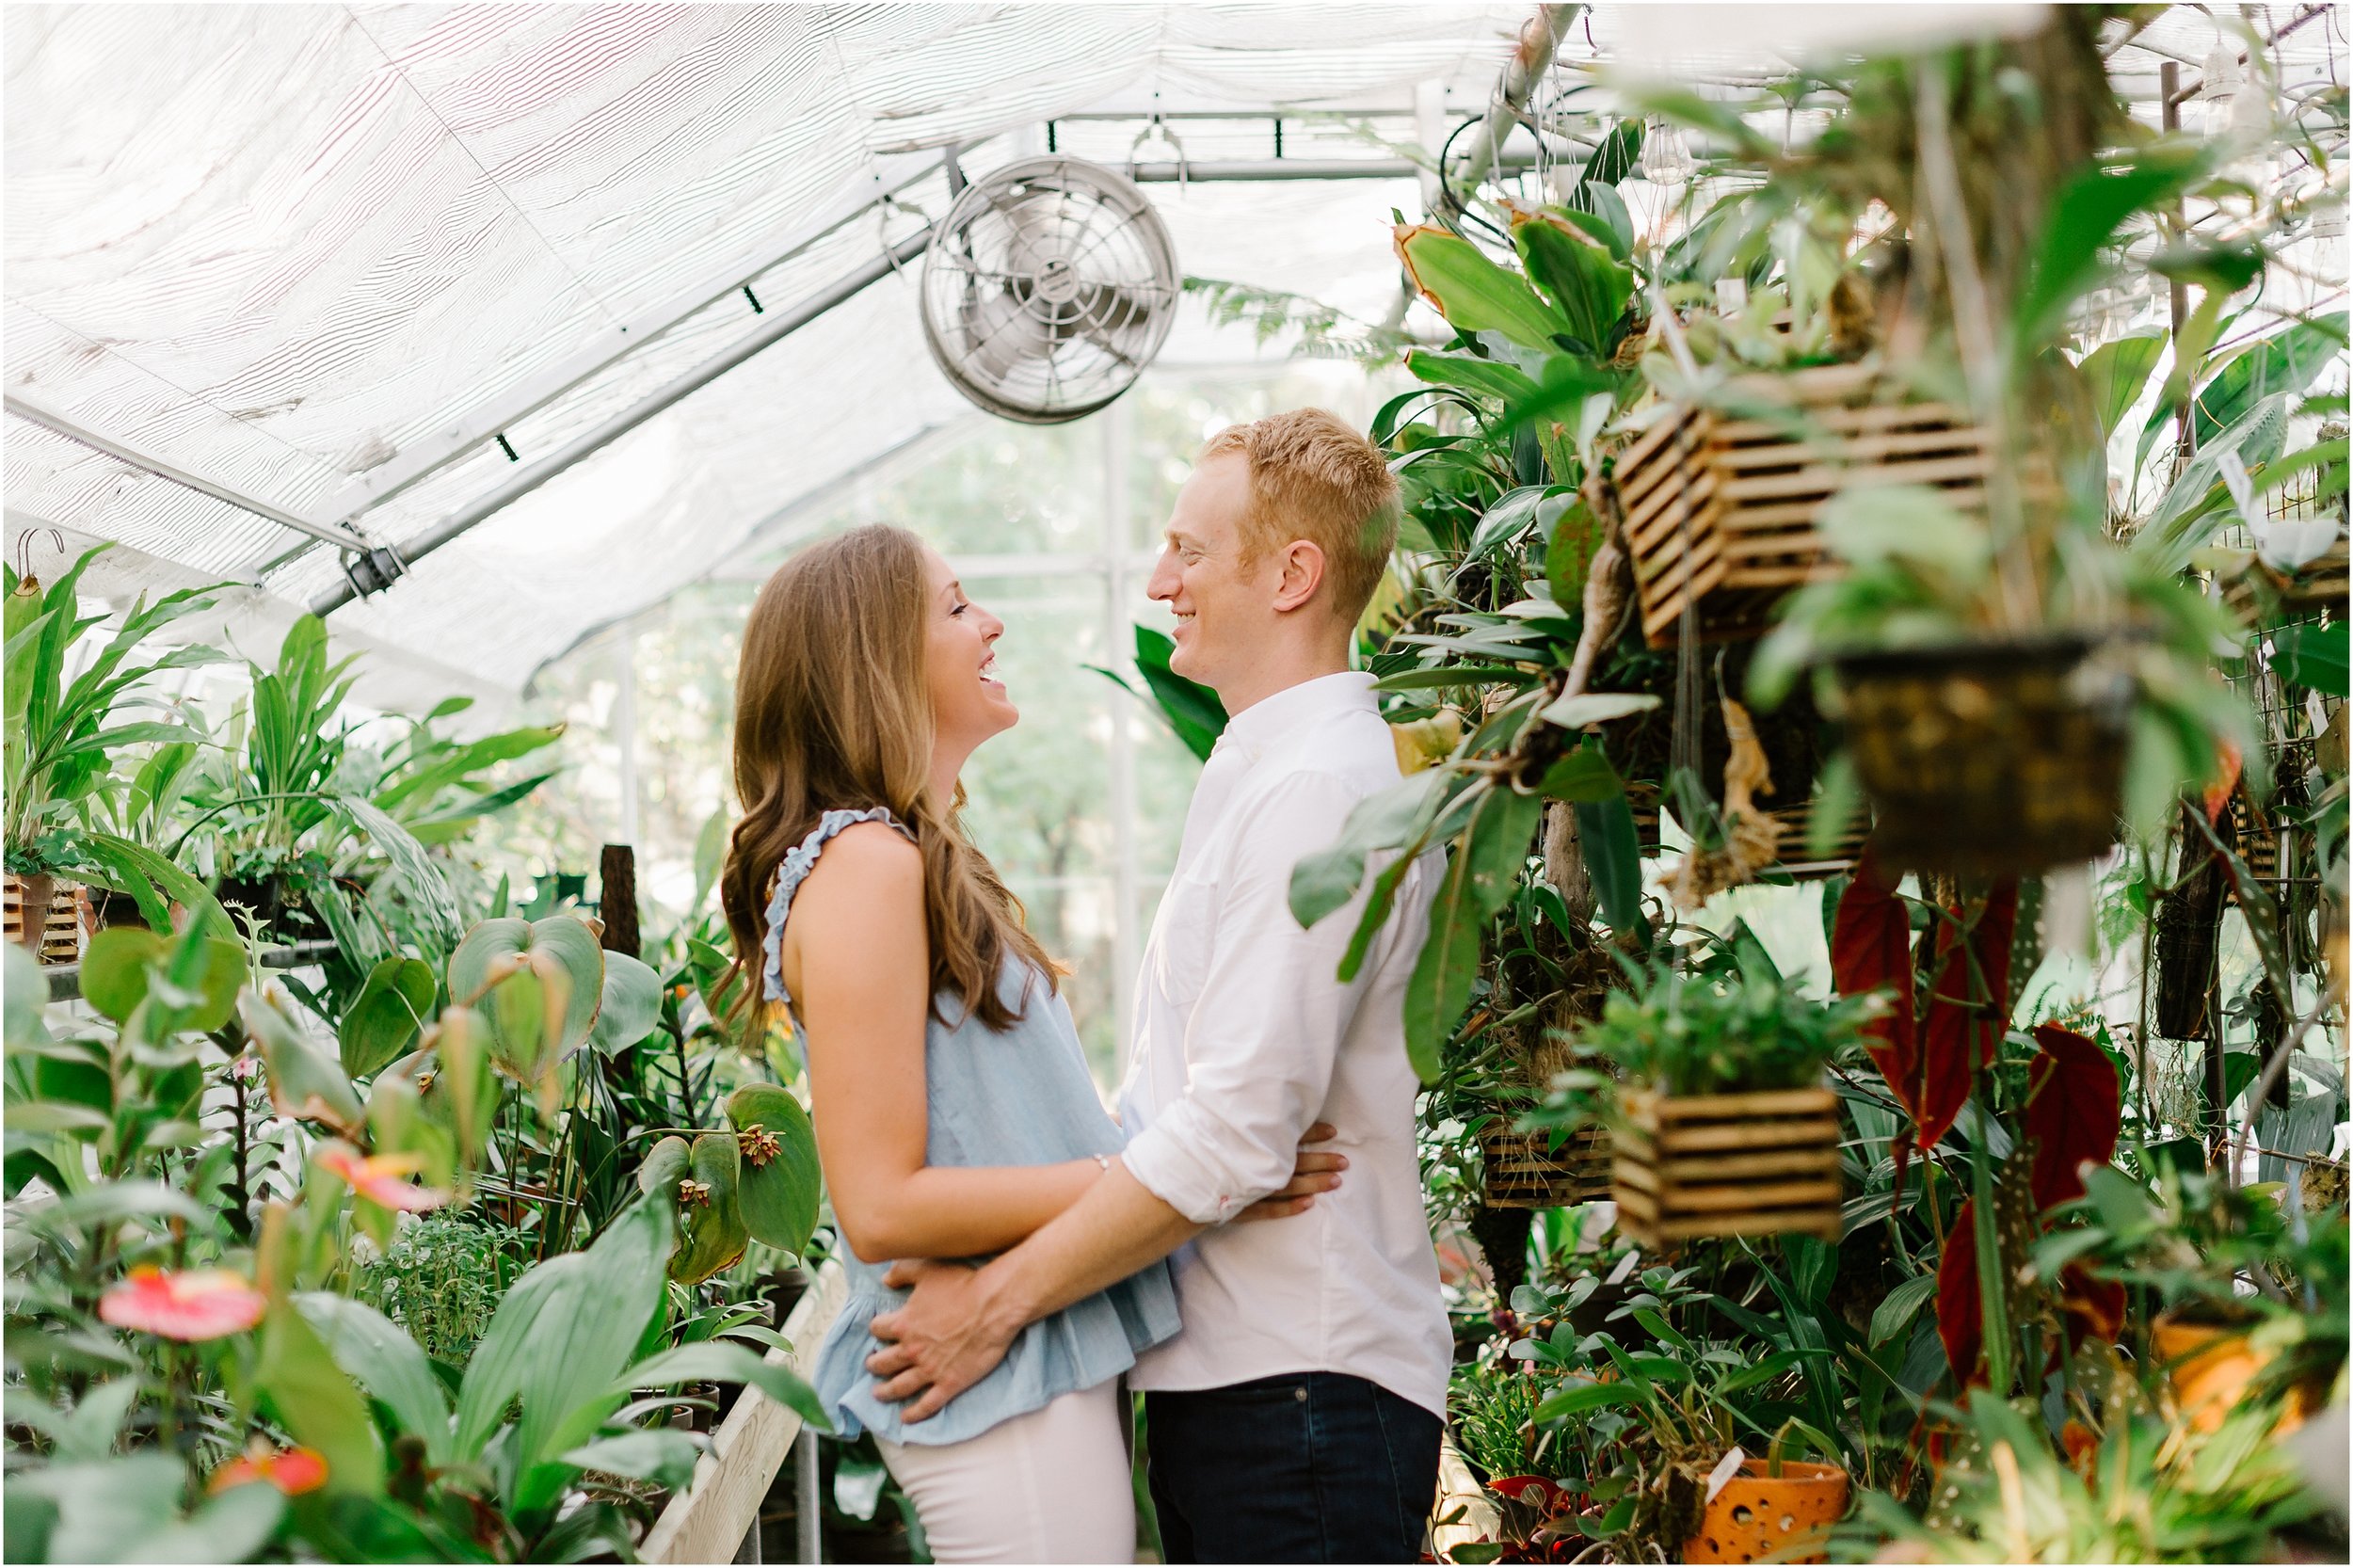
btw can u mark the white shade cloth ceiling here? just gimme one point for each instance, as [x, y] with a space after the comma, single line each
[292, 249]
[280, 246]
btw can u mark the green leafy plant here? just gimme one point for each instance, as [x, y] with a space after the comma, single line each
[64, 737]
[1686, 1035]
[442, 1279]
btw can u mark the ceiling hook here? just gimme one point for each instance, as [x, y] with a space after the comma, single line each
[27, 579]
[1160, 128]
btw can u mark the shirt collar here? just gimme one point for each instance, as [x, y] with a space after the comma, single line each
[1270, 718]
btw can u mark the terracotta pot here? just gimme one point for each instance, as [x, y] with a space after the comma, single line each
[2211, 1365]
[1759, 1515]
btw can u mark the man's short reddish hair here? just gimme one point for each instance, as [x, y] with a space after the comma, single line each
[1313, 478]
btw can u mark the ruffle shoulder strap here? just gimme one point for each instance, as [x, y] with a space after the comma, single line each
[798, 862]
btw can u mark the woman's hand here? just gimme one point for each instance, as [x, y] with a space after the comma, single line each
[1314, 1173]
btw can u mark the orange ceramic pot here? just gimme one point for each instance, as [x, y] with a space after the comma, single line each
[2211, 1365]
[1759, 1515]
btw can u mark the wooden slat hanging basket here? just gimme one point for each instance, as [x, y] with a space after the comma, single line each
[1748, 1164]
[1722, 509]
[52, 909]
[1524, 1171]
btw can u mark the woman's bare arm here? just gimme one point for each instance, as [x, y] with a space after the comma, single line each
[857, 966]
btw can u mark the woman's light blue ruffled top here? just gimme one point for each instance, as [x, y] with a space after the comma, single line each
[1022, 1098]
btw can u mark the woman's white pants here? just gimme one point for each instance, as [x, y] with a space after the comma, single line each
[1051, 1487]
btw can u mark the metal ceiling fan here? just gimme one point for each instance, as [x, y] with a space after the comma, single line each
[1047, 288]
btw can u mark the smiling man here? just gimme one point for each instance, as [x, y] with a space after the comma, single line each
[1297, 1418]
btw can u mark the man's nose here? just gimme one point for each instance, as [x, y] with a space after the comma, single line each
[1165, 579]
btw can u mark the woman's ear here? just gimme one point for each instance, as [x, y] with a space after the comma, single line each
[1302, 573]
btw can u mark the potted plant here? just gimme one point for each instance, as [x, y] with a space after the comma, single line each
[2194, 1241]
[1986, 749]
[1724, 1128]
[63, 738]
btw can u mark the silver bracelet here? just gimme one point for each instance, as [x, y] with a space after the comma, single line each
[1103, 1162]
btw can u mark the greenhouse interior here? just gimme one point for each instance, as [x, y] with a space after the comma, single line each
[1828, 985]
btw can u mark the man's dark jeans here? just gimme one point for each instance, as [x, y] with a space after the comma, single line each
[1307, 1467]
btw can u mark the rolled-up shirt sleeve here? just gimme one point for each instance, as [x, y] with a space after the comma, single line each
[1268, 1022]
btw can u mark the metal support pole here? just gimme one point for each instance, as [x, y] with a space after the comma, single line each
[808, 1517]
[1118, 438]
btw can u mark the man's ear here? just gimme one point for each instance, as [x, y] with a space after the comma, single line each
[1302, 564]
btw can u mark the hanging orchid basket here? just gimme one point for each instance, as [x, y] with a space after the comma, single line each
[1721, 509]
[1989, 758]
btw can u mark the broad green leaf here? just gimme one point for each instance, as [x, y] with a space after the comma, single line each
[1440, 985]
[1583, 1398]
[383, 1021]
[715, 1235]
[1325, 880]
[664, 1168]
[1488, 377]
[562, 956]
[1583, 775]
[713, 1361]
[1583, 280]
[2310, 654]
[563, 1333]
[381, 1358]
[2287, 361]
[1605, 832]
[1897, 1309]
[230, 1527]
[779, 1191]
[313, 1400]
[1475, 294]
[2118, 373]
[632, 1004]
[1190, 709]
[304, 1081]
[1576, 537]
[2085, 220]
[1497, 844]
[661, 1455]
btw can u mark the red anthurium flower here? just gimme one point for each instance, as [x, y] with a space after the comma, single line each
[378, 1178]
[191, 1305]
[293, 1471]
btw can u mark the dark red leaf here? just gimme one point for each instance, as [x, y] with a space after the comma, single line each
[1959, 1313]
[2095, 1307]
[2074, 1110]
[1968, 1008]
[1870, 950]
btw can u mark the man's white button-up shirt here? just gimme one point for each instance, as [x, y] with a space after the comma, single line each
[1244, 1037]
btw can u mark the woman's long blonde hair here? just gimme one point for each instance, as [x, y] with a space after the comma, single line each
[832, 710]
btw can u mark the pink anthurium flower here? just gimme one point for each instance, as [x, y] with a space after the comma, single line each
[293, 1471]
[191, 1305]
[378, 1178]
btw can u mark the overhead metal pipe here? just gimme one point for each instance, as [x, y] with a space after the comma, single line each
[49, 419]
[532, 475]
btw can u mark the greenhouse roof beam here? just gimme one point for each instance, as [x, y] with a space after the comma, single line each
[424, 459]
[147, 462]
[532, 475]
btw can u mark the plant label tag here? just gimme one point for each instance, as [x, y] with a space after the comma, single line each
[1732, 295]
[1726, 1469]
